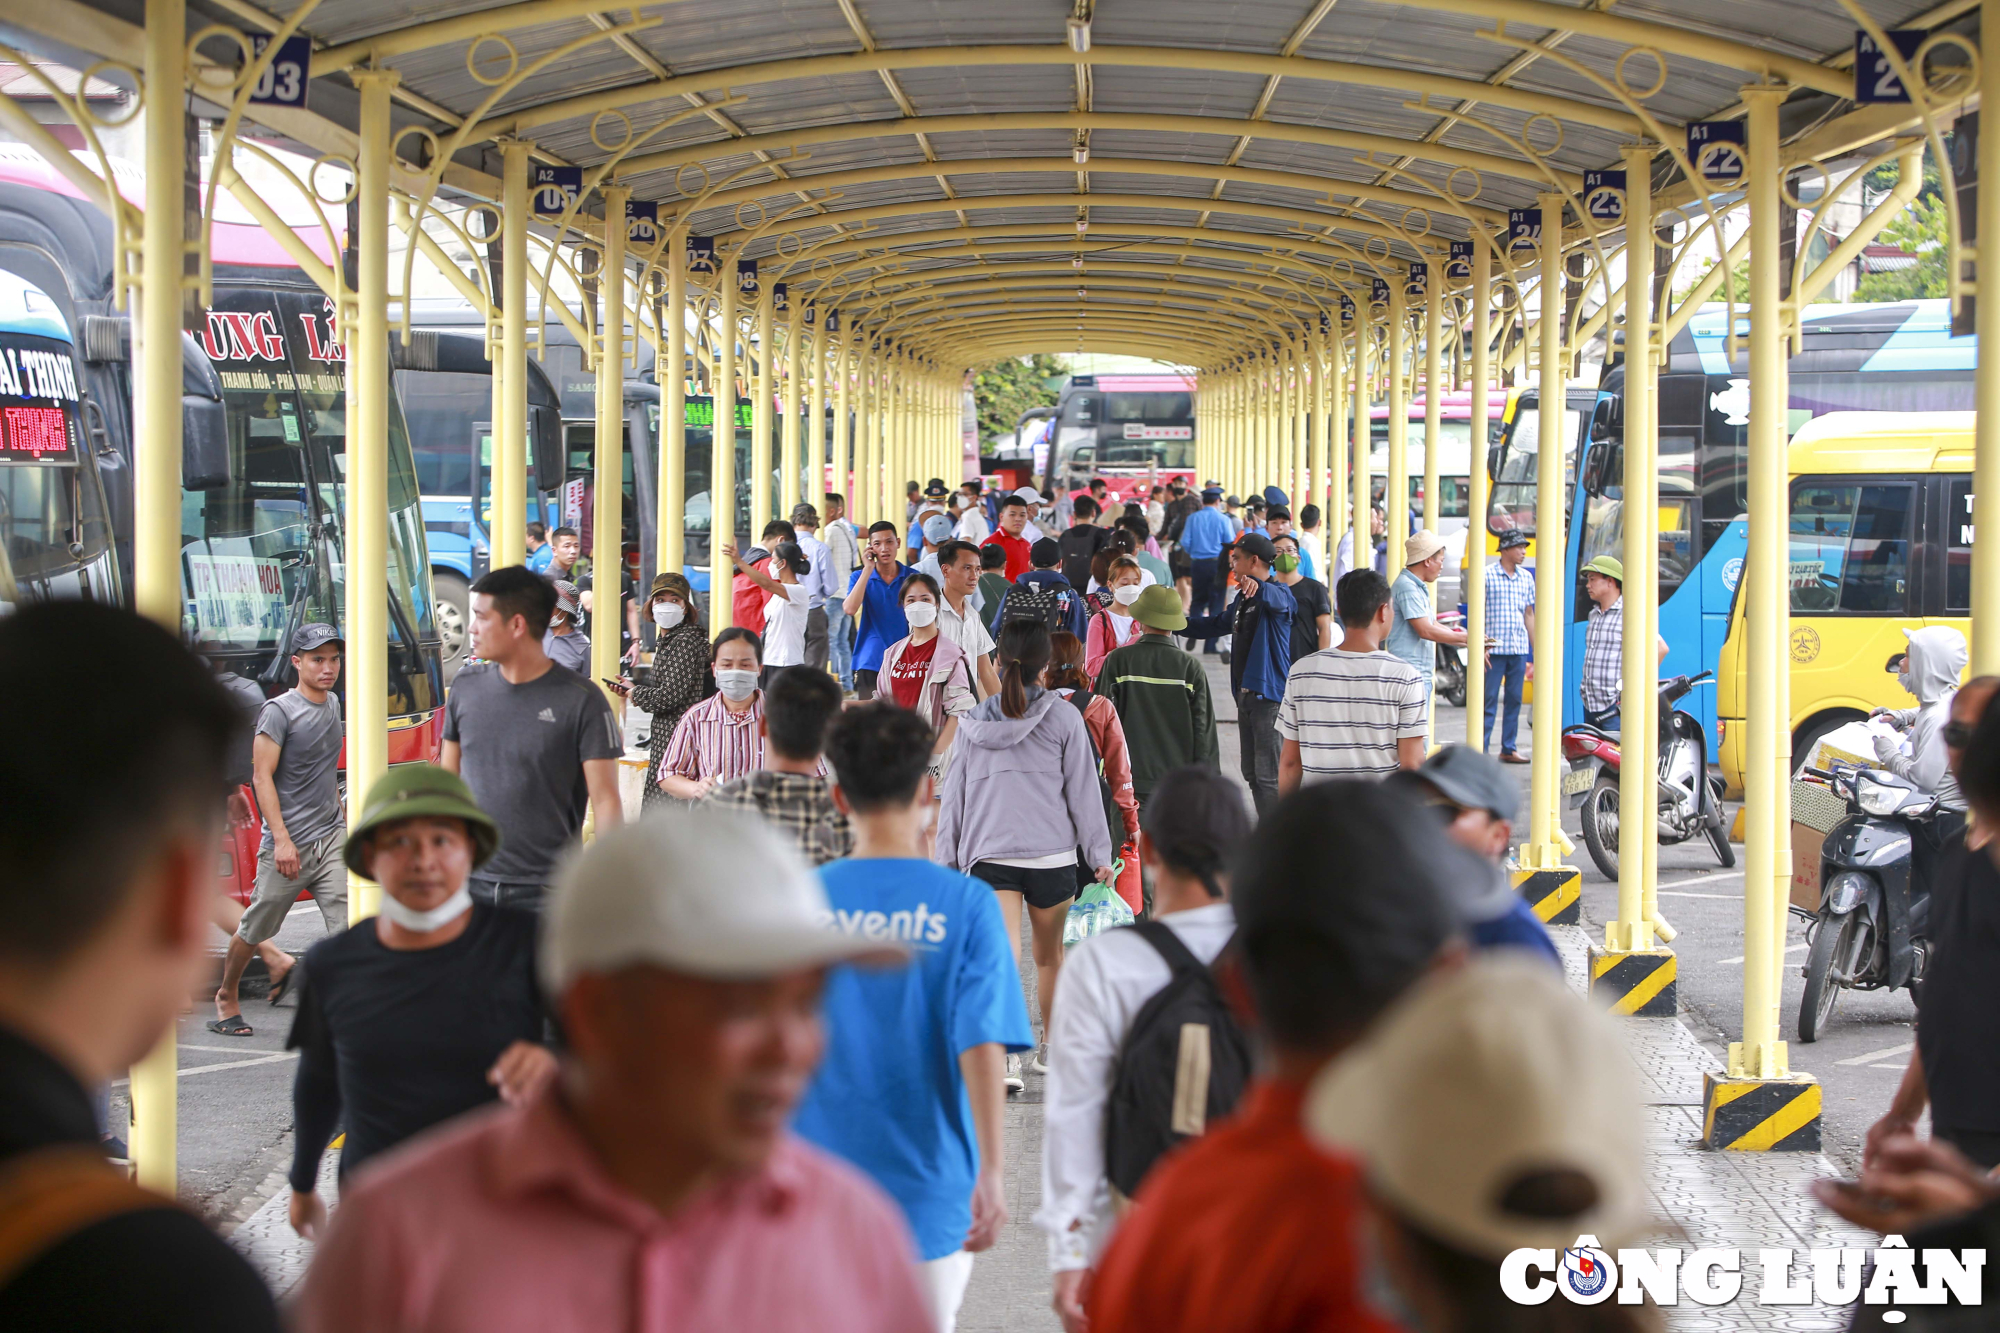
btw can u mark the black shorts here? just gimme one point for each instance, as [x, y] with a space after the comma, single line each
[1051, 887]
[864, 683]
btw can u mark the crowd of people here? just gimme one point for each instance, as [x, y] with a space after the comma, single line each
[745, 1061]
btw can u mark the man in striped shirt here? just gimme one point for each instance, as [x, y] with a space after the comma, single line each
[1352, 710]
[1510, 631]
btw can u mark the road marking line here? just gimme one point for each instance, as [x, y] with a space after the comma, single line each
[1725, 897]
[1891, 1065]
[1703, 879]
[237, 1049]
[1882, 1054]
[1789, 949]
[275, 1057]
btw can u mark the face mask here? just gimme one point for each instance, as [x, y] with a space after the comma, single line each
[920, 614]
[1126, 595]
[422, 923]
[1285, 564]
[668, 614]
[736, 686]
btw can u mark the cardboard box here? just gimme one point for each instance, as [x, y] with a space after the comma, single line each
[1806, 844]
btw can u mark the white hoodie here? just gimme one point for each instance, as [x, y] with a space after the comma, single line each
[1936, 660]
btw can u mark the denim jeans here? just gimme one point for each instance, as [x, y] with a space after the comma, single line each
[1259, 745]
[1511, 668]
[506, 893]
[1603, 721]
[840, 643]
[1210, 594]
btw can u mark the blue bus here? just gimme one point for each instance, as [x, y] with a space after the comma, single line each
[1888, 357]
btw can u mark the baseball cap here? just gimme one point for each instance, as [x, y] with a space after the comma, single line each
[1257, 544]
[1045, 554]
[1196, 818]
[716, 895]
[677, 584]
[1473, 780]
[1160, 607]
[1511, 538]
[1479, 1080]
[1231, 500]
[1030, 494]
[315, 635]
[566, 597]
[420, 791]
[1608, 565]
[937, 528]
[1422, 545]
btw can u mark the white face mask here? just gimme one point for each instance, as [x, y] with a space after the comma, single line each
[668, 614]
[1127, 594]
[422, 923]
[920, 614]
[736, 686]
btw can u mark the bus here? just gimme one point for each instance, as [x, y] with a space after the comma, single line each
[1879, 541]
[1135, 431]
[1886, 357]
[1454, 457]
[263, 459]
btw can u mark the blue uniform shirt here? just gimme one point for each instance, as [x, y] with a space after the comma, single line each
[889, 1096]
[1206, 532]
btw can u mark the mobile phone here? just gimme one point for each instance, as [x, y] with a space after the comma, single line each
[614, 684]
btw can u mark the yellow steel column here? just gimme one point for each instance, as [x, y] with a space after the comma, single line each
[510, 372]
[1476, 501]
[795, 365]
[1766, 872]
[1396, 474]
[1544, 849]
[1313, 487]
[1986, 428]
[1298, 456]
[367, 517]
[1638, 830]
[1358, 448]
[156, 325]
[722, 460]
[1331, 489]
[607, 547]
[673, 414]
[1434, 434]
[815, 436]
[843, 430]
[760, 420]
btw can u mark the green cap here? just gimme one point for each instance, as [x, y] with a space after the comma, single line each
[421, 791]
[1160, 607]
[1608, 565]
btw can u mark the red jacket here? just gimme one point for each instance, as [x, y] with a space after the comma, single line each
[748, 599]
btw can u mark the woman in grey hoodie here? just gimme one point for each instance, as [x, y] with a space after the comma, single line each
[1021, 802]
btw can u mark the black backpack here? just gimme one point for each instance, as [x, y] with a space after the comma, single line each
[1041, 602]
[1114, 818]
[1183, 1064]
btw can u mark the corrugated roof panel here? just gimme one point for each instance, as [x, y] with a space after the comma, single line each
[1168, 145]
[1349, 107]
[900, 23]
[1185, 92]
[1002, 143]
[696, 35]
[1012, 182]
[1193, 23]
[827, 100]
[1433, 41]
[974, 89]
[1132, 182]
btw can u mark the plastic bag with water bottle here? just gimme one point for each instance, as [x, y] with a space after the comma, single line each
[1096, 910]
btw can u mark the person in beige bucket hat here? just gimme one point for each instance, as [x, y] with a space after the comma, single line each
[1415, 627]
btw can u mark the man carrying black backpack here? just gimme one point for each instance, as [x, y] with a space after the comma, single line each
[1115, 1040]
[1044, 595]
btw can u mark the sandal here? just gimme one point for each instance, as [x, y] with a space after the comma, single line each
[232, 1026]
[283, 985]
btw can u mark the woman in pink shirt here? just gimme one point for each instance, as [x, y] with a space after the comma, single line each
[926, 672]
[1113, 626]
[1066, 677]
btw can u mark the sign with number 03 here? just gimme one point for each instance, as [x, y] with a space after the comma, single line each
[284, 80]
[1875, 79]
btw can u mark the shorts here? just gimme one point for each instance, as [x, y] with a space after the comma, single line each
[864, 683]
[1044, 888]
[322, 873]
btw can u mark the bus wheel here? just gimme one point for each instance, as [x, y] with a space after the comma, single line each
[454, 619]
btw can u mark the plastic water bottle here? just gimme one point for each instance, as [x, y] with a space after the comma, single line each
[1096, 910]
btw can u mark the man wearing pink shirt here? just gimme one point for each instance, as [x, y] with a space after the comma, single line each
[654, 1186]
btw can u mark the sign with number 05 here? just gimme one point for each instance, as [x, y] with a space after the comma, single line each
[284, 80]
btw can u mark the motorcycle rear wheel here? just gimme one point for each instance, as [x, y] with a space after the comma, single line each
[1599, 816]
[1821, 990]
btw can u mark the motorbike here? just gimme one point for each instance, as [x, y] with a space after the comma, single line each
[1690, 799]
[1450, 666]
[1871, 931]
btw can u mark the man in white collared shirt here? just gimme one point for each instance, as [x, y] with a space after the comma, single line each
[822, 581]
[1191, 826]
[958, 614]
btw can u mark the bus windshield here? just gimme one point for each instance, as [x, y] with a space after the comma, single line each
[1513, 503]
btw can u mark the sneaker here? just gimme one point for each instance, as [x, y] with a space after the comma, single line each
[1014, 1081]
[1040, 1064]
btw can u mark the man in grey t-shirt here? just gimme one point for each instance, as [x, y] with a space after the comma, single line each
[537, 745]
[295, 772]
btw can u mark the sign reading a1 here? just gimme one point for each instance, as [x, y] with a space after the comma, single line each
[810, 312]
[1524, 227]
[1378, 291]
[1325, 322]
[701, 254]
[833, 321]
[642, 222]
[1875, 79]
[781, 298]
[556, 188]
[1717, 150]
[1604, 195]
[746, 277]
[284, 80]
[1420, 279]
[1346, 308]
[1458, 268]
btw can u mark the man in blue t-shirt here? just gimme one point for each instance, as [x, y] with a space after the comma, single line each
[912, 1087]
[875, 599]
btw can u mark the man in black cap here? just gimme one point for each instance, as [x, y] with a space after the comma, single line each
[1478, 802]
[1510, 629]
[1044, 594]
[1260, 657]
[1188, 832]
[296, 761]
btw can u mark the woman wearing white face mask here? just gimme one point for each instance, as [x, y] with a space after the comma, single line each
[680, 670]
[927, 672]
[722, 737]
[423, 1012]
[1113, 627]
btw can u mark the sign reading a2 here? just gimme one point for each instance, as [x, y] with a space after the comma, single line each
[701, 254]
[642, 222]
[1604, 195]
[555, 188]
[1717, 149]
[1875, 79]
[284, 80]
[781, 298]
[746, 277]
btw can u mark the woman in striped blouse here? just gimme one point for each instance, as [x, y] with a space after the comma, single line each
[680, 670]
[722, 737]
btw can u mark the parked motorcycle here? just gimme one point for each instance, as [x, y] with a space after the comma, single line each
[1872, 928]
[1690, 800]
[1451, 666]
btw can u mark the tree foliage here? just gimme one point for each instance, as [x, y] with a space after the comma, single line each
[1922, 231]
[1002, 390]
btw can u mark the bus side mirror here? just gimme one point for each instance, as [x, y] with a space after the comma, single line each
[204, 444]
[545, 438]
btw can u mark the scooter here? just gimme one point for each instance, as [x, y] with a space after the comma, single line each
[1690, 800]
[1450, 666]
[1872, 927]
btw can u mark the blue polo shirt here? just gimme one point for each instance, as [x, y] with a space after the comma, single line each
[1206, 532]
[882, 621]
